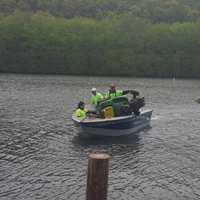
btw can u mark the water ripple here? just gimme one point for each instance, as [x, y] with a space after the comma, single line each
[42, 156]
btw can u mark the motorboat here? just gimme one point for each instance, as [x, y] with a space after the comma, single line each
[115, 126]
[120, 117]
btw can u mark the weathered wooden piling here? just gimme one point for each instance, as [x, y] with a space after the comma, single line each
[97, 180]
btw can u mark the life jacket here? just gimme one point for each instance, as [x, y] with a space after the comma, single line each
[112, 95]
[81, 113]
[95, 99]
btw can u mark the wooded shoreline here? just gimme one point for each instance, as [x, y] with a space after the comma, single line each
[103, 76]
[36, 39]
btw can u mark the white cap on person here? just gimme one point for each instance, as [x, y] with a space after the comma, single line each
[94, 89]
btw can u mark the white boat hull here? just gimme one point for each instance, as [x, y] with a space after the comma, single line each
[117, 126]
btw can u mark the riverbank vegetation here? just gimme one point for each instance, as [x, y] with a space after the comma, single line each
[156, 38]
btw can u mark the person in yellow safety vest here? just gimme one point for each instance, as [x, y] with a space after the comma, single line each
[112, 93]
[81, 112]
[96, 97]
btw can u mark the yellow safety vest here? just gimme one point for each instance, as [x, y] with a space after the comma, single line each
[118, 93]
[95, 99]
[81, 113]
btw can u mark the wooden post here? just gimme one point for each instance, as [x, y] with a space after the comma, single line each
[97, 181]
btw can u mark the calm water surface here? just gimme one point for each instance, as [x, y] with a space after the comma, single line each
[41, 156]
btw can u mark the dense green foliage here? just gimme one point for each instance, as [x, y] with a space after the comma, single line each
[157, 38]
[155, 10]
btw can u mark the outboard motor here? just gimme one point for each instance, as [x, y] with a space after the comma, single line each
[135, 105]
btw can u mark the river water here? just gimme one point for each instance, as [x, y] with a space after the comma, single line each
[42, 156]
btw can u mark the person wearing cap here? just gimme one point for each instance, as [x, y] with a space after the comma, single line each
[96, 97]
[81, 112]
